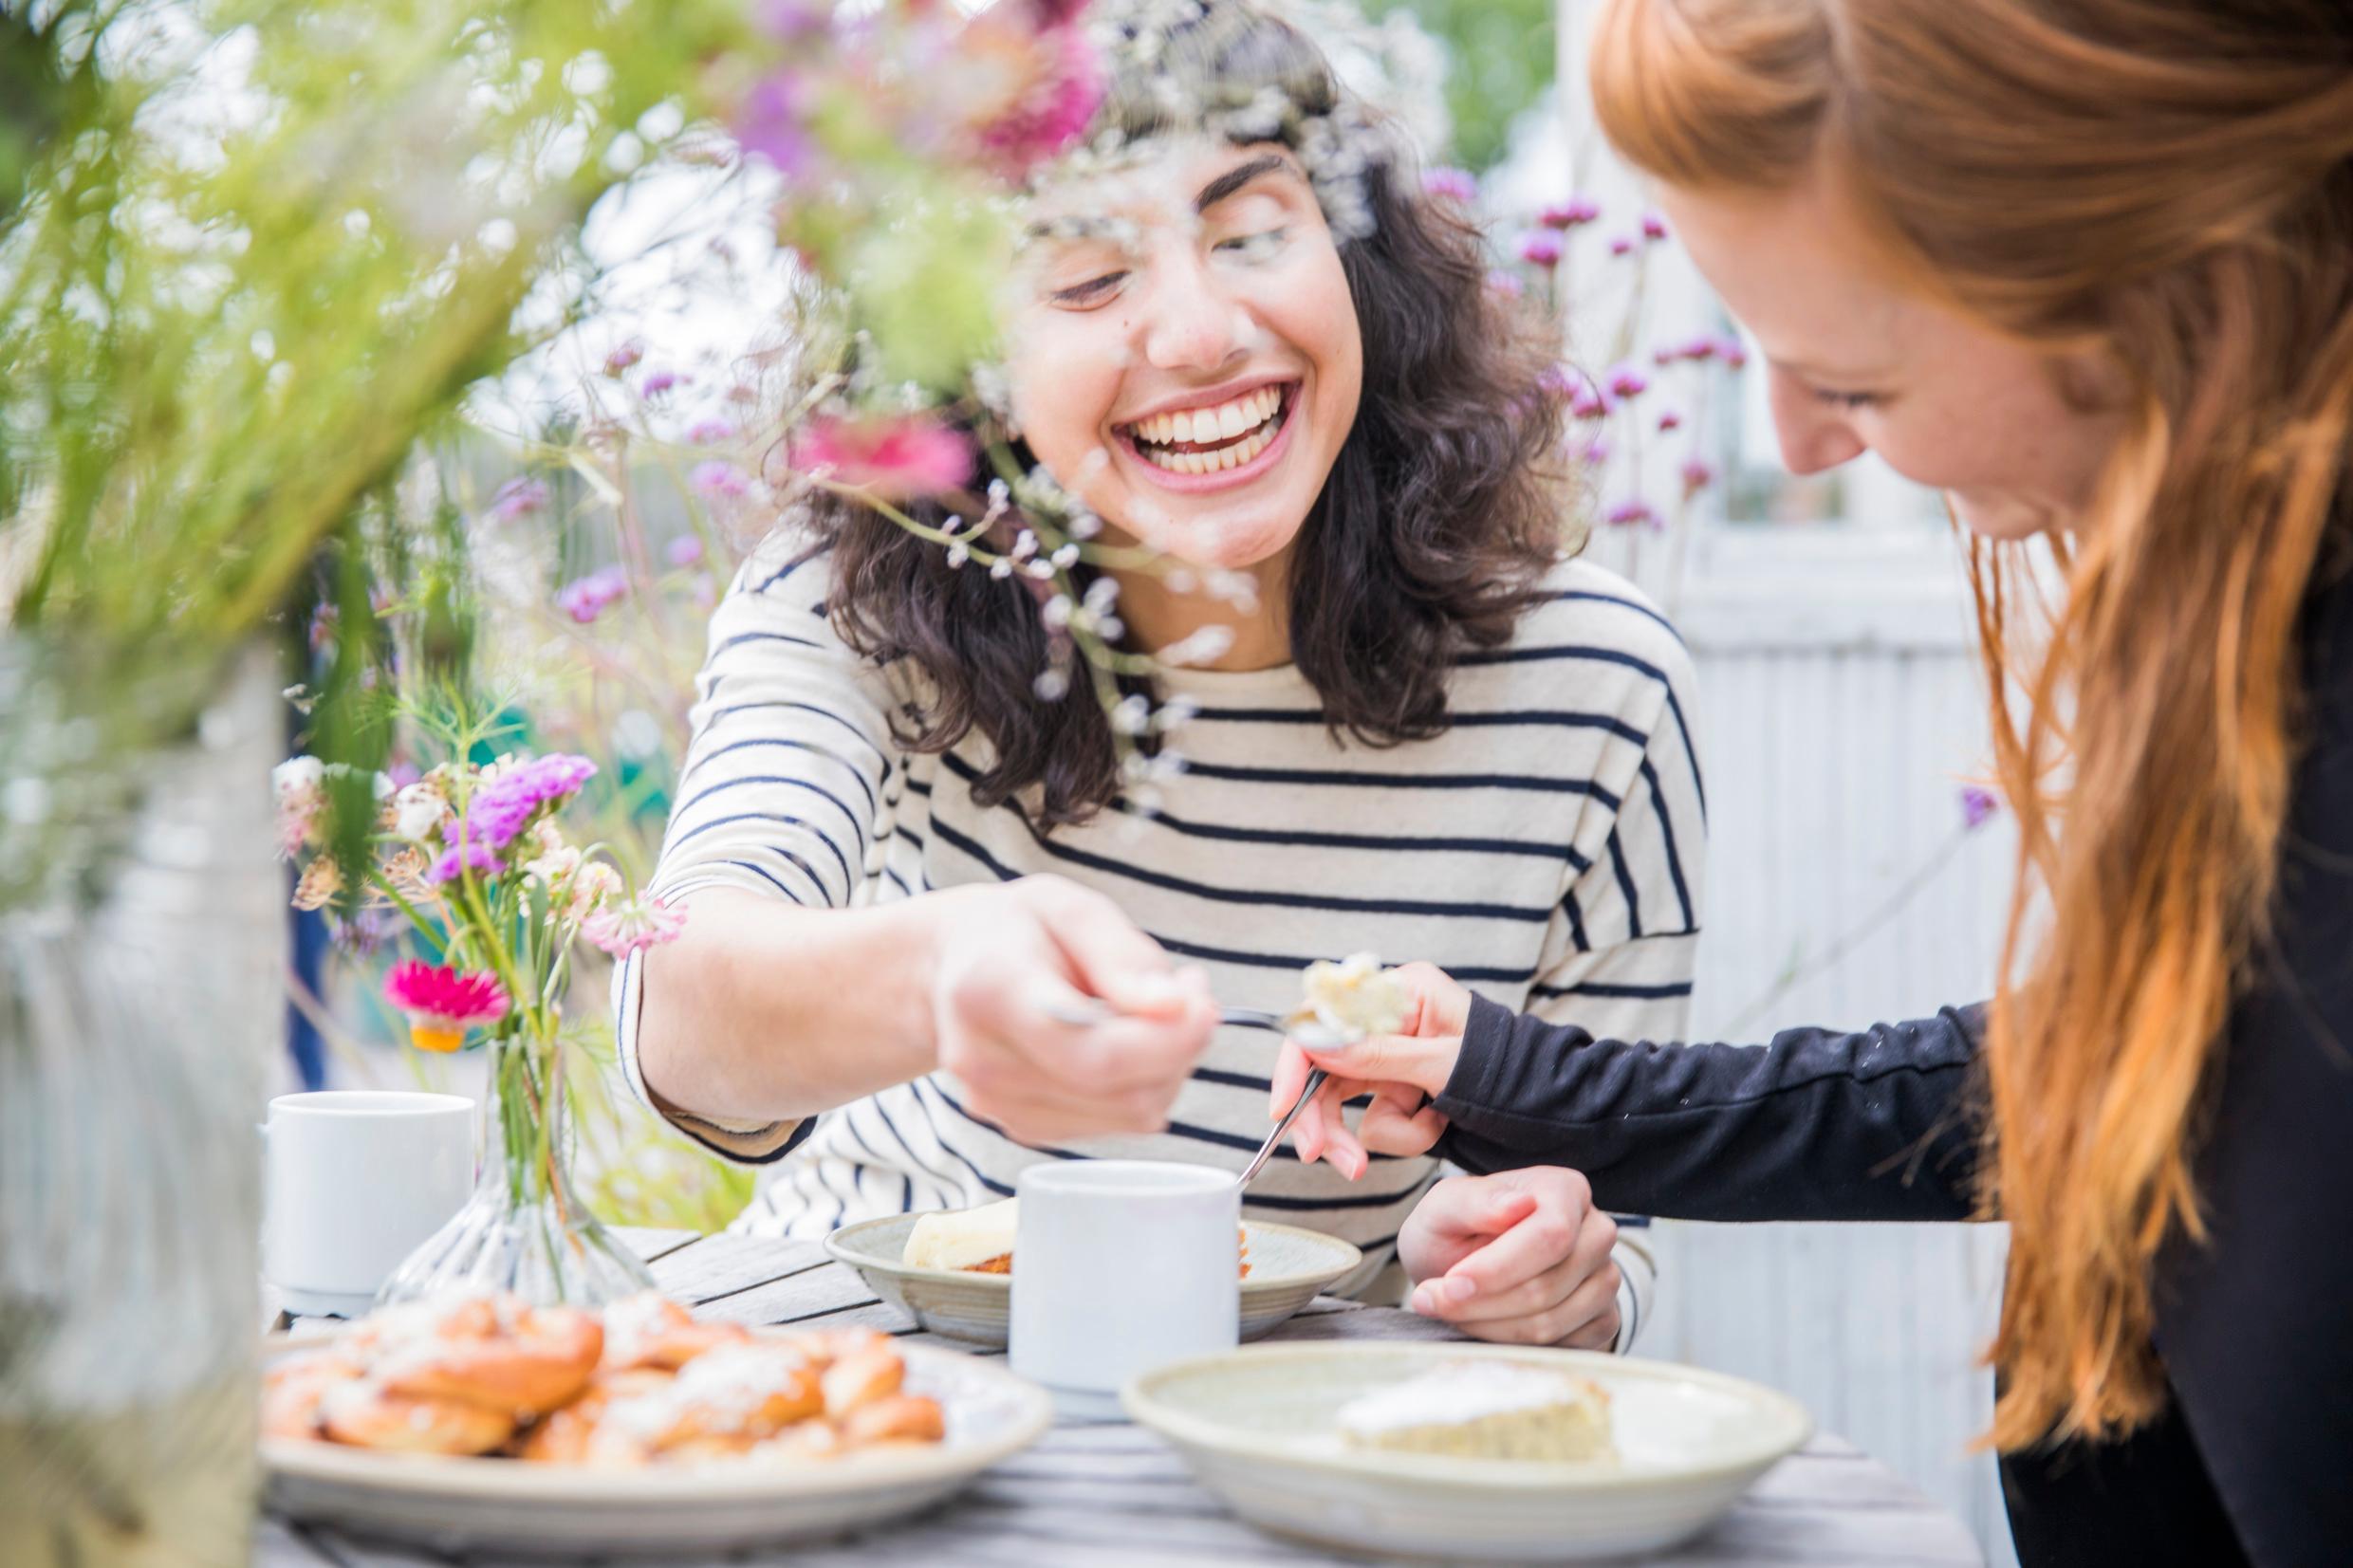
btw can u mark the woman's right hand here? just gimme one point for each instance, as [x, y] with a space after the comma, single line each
[1401, 1071]
[1010, 962]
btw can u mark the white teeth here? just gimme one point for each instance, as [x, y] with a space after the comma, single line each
[1234, 419]
[1204, 427]
[1245, 424]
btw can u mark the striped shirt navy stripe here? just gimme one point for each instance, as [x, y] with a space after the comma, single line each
[1535, 849]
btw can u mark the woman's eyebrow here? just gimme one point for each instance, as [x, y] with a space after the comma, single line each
[1235, 179]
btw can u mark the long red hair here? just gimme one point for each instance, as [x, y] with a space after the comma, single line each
[2173, 184]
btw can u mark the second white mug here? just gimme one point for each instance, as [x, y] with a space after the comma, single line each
[356, 1180]
[1120, 1266]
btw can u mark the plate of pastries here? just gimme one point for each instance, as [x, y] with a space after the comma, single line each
[482, 1422]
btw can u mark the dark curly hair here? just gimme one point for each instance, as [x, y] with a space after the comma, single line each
[1440, 511]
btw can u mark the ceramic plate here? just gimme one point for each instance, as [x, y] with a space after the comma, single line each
[456, 1504]
[1256, 1427]
[1288, 1267]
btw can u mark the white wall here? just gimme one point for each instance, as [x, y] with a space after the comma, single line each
[1840, 713]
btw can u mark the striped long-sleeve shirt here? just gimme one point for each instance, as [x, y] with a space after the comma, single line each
[1546, 850]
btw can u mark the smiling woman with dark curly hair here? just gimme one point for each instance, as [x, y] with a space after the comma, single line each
[1253, 345]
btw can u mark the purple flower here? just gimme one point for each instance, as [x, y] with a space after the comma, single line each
[790, 21]
[1451, 184]
[1669, 419]
[1540, 248]
[1556, 381]
[1978, 805]
[1699, 350]
[1594, 453]
[1621, 245]
[771, 123]
[622, 358]
[686, 550]
[706, 432]
[1573, 214]
[520, 497]
[501, 809]
[473, 853]
[587, 598]
[1590, 402]
[1697, 476]
[1626, 382]
[1627, 514]
[1507, 284]
[1732, 351]
[660, 381]
[1654, 226]
[719, 480]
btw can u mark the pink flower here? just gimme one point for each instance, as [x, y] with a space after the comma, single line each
[1621, 245]
[1669, 419]
[519, 497]
[1978, 806]
[660, 381]
[791, 21]
[716, 480]
[1065, 85]
[1541, 248]
[1733, 352]
[442, 1003]
[686, 550]
[1555, 382]
[1590, 402]
[1626, 382]
[622, 358]
[1507, 284]
[1451, 185]
[631, 925]
[706, 432]
[1654, 226]
[1573, 214]
[1594, 453]
[1627, 514]
[587, 598]
[1697, 476]
[898, 458]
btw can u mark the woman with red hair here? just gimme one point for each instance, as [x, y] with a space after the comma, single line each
[2088, 266]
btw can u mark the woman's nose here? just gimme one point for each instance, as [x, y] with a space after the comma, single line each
[1189, 322]
[1814, 435]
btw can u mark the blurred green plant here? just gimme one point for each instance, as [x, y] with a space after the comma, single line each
[1501, 58]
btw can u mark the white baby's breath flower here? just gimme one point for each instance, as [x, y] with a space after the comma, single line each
[419, 811]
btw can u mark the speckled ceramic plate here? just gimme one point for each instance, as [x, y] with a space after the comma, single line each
[1258, 1427]
[1288, 1267]
[451, 1506]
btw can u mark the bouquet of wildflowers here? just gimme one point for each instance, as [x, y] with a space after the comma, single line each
[497, 895]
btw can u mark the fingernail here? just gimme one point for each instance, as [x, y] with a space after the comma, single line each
[1426, 1299]
[1458, 1289]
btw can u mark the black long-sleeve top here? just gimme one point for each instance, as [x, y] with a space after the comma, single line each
[2252, 1460]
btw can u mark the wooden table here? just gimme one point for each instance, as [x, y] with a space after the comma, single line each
[1115, 1496]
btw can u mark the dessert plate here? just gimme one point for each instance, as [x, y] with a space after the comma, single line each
[1258, 1427]
[453, 1506]
[1288, 1267]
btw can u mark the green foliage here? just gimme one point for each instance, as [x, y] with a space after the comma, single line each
[1502, 60]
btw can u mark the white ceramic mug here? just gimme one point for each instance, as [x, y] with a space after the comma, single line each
[356, 1180]
[1120, 1266]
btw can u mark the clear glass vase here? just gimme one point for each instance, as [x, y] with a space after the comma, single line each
[137, 1018]
[525, 1229]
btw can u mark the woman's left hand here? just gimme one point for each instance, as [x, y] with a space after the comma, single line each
[1521, 1258]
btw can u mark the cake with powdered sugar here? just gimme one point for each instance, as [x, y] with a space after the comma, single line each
[1483, 1409]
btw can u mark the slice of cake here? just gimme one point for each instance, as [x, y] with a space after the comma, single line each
[972, 1241]
[1483, 1409]
[1353, 997]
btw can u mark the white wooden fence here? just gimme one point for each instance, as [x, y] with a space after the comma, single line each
[1841, 714]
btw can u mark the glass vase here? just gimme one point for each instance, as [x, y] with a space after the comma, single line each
[525, 1228]
[138, 1018]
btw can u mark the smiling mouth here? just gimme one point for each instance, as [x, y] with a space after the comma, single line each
[1207, 440]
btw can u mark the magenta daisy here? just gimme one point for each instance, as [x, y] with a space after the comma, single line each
[442, 1002]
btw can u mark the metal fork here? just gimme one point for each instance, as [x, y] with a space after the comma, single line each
[1310, 1033]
